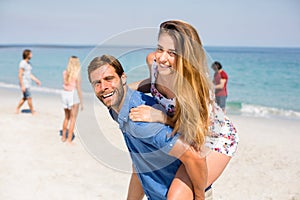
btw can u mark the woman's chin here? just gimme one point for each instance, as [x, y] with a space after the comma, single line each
[166, 71]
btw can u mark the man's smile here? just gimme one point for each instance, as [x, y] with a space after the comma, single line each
[108, 95]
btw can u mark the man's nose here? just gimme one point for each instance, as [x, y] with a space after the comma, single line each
[104, 86]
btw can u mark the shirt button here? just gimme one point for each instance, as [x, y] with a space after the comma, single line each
[171, 145]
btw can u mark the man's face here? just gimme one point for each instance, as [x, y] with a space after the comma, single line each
[215, 68]
[108, 86]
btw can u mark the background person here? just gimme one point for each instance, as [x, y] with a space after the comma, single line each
[71, 97]
[220, 82]
[25, 77]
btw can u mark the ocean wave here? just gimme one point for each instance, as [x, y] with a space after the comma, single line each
[261, 111]
[237, 108]
[34, 88]
[37, 89]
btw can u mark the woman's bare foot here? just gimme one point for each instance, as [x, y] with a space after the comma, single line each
[70, 143]
[63, 139]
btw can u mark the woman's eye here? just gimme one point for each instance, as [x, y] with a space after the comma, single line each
[172, 53]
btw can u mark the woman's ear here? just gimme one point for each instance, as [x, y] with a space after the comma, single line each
[124, 78]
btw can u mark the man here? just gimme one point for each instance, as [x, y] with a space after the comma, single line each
[220, 81]
[25, 77]
[155, 151]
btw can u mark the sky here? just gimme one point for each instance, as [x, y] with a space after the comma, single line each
[268, 23]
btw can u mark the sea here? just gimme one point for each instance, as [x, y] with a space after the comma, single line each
[263, 82]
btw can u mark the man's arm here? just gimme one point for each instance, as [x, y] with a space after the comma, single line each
[135, 190]
[195, 165]
[37, 81]
[221, 84]
[20, 75]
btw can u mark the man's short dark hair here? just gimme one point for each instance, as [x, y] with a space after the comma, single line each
[104, 60]
[26, 53]
[218, 64]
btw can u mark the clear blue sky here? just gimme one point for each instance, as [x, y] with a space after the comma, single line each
[219, 22]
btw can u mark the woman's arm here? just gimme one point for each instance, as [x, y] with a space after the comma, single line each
[142, 86]
[78, 87]
[145, 113]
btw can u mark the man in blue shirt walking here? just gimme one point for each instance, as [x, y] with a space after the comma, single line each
[155, 151]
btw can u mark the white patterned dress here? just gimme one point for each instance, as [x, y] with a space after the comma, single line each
[223, 135]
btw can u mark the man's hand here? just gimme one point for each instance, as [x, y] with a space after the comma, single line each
[23, 88]
[38, 82]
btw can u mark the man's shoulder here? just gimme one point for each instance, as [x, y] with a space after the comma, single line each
[224, 74]
[23, 64]
[139, 98]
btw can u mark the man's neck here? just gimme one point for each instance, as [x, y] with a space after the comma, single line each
[118, 108]
[26, 60]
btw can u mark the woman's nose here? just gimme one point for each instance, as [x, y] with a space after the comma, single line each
[163, 57]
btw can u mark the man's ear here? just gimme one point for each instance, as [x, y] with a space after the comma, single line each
[124, 79]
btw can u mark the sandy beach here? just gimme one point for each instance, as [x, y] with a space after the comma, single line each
[35, 164]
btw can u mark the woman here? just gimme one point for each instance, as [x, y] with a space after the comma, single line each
[179, 81]
[71, 97]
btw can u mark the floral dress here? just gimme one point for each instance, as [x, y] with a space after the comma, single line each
[223, 135]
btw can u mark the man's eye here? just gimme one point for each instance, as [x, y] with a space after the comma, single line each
[96, 84]
[109, 78]
[159, 49]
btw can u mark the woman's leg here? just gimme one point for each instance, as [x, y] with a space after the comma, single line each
[181, 187]
[216, 163]
[73, 115]
[65, 124]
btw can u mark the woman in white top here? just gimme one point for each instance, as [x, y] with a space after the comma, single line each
[71, 97]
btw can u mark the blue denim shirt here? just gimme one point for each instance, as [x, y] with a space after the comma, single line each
[149, 145]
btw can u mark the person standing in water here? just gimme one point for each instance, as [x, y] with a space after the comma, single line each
[220, 82]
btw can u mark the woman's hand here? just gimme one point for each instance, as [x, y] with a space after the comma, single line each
[145, 113]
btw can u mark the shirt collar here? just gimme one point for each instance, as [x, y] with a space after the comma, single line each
[124, 112]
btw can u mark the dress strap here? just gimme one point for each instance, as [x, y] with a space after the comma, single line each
[153, 72]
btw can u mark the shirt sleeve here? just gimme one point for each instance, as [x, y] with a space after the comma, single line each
[156, 134]
[224, 75]
[22, 65]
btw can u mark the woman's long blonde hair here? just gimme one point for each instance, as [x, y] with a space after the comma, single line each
[73, 68]
[192, 85]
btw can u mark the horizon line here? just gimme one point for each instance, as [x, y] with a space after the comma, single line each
[56, 45]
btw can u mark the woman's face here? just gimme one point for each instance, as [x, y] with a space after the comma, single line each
[165, 54]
